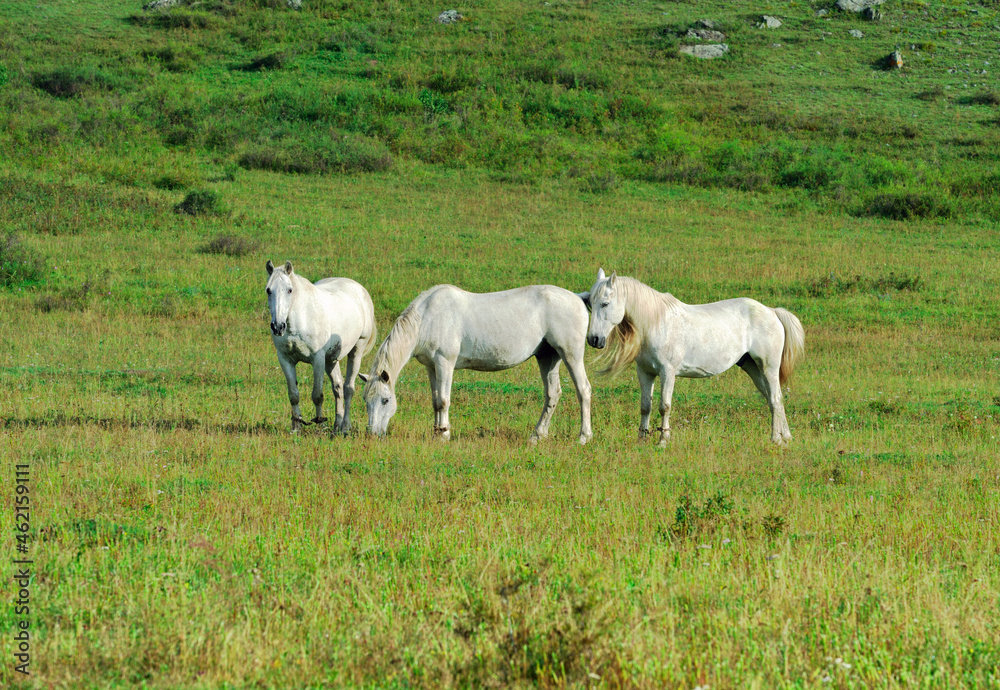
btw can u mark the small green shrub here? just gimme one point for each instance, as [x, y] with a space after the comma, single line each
[342, 154]
[271, 61]
[907, 206]
[933, 94]
[19, 265]
[597, 183]
[984, 97]
[72, 81]
[175, 59]
[831, 285]
[3, 76]
[205, 202]
[689, 518]
[175, 19]
[230, 245]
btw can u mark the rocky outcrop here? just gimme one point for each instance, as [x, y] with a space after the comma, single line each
[706, 51]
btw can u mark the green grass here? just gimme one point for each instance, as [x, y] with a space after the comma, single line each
[182, 536]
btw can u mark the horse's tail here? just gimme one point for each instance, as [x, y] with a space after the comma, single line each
[795, 343]
[372, 339]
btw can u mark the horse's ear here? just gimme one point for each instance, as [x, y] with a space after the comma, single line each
[585, 296]
[363, 377]
[384, 376]
[288, 267]
[269, 267]
[611, 280]
[600, 274]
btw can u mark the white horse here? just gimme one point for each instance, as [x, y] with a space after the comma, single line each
[446, 328]
[667, 338]
[320, 324]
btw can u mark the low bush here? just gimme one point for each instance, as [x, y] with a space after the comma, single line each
[19, 265]
[341, 154]
[204, 202]
[230, 245]
[68, 82]
[906, 206]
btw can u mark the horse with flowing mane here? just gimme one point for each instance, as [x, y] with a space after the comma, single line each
[320, 323]
[667, 338]
[446, 328]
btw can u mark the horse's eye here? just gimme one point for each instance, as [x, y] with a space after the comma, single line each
[289, 291]
[385, 401]
[606, 304]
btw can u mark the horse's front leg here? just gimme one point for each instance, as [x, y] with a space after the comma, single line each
[666, 395]
[441, 377]
[319, 371]
[578, 373]
[645, 399]
[288, 368]
[337, 380]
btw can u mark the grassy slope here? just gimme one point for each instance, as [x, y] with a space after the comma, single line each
[185, 539]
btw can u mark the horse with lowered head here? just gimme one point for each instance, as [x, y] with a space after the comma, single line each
[320, 324]
[446, 328]
[667, 338]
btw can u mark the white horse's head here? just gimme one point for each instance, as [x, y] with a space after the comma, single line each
[380, 399]
[606, 309]
[279, 296]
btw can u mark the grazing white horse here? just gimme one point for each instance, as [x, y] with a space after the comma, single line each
[667, 338]
[446, 328]
[320, 324]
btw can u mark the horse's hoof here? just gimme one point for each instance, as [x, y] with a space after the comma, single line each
[643, 434]
[584, 438]
[534, 439]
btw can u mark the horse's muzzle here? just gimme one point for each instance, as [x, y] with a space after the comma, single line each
[597, 341]
[277, 329]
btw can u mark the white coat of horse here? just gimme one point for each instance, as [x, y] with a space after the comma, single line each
[320, 324]
[446, 328]
[667, 338]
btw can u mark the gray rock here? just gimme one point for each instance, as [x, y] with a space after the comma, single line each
[705, 23]
[856, 33]
[706, 35]
[769, 22]
[294, 4]
[706, 51]
[822, 13]
[159, 5]
[857, 5]
[871, 14]
[449, 17]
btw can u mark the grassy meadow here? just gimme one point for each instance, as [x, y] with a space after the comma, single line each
[150, 163]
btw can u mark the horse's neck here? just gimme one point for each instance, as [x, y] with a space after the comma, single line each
[402, 341]
[645, 307]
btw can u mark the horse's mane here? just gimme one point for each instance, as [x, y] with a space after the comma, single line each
[397, 347]
[644, 307]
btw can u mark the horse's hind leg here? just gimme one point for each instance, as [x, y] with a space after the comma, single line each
[353, 367]
[645, 399]
[548, 367]
[577, 372]
[339, 400]
[667, 379]
[770, 388]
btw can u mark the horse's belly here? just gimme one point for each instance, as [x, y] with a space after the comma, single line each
[493, 358]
